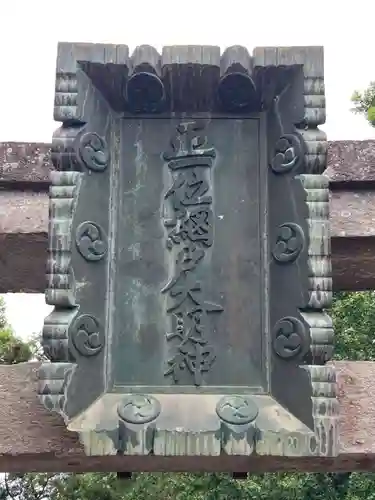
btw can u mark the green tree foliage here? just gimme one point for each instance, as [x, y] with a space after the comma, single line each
[12, 349]
[28, 486]
[162, 486]
[354, 321]
[364, 103]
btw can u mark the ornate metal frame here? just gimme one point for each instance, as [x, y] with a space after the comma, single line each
[96, 86]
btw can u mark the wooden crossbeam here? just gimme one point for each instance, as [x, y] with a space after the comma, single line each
[34, 440]
[24, 182]
[23, 242]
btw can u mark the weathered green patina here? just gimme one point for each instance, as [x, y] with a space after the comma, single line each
[189, 252]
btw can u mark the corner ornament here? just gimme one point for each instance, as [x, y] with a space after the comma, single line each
[288, 153]
[87, 335]
[289, 337]
[93, 152]
[91, 241]
[290, 241]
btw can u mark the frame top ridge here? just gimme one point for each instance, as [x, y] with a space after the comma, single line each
[187, 78]
[70, 52]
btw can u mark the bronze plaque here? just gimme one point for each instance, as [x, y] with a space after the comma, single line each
[189, 252]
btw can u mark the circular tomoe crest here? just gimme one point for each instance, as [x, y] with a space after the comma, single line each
[289, 243]
[87, 335]
[288, 153]
[93, 151]
[91, 241]
[237, 410]
[139, 409]
[289, 337]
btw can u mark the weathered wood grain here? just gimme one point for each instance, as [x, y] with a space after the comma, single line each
[34, 440]
[353, 263]
[23, 241]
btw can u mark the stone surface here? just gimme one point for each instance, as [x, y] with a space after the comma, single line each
[352, 213]
[351, 161]
[25, 164]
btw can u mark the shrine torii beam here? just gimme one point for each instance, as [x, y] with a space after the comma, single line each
[24, 183]
[35, 440]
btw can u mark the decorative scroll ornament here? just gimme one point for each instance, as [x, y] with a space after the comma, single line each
[237, 410]
[91, 241]
[288, 153]
[94, 152]
[189, 234]
[139, 409]
[87, 335]
[289, 242]
[289, 337]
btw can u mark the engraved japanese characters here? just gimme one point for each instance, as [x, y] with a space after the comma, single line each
[190, 233]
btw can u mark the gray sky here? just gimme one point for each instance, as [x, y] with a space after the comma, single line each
[30, 31]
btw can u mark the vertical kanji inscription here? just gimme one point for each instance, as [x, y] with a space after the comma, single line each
[190, 232]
